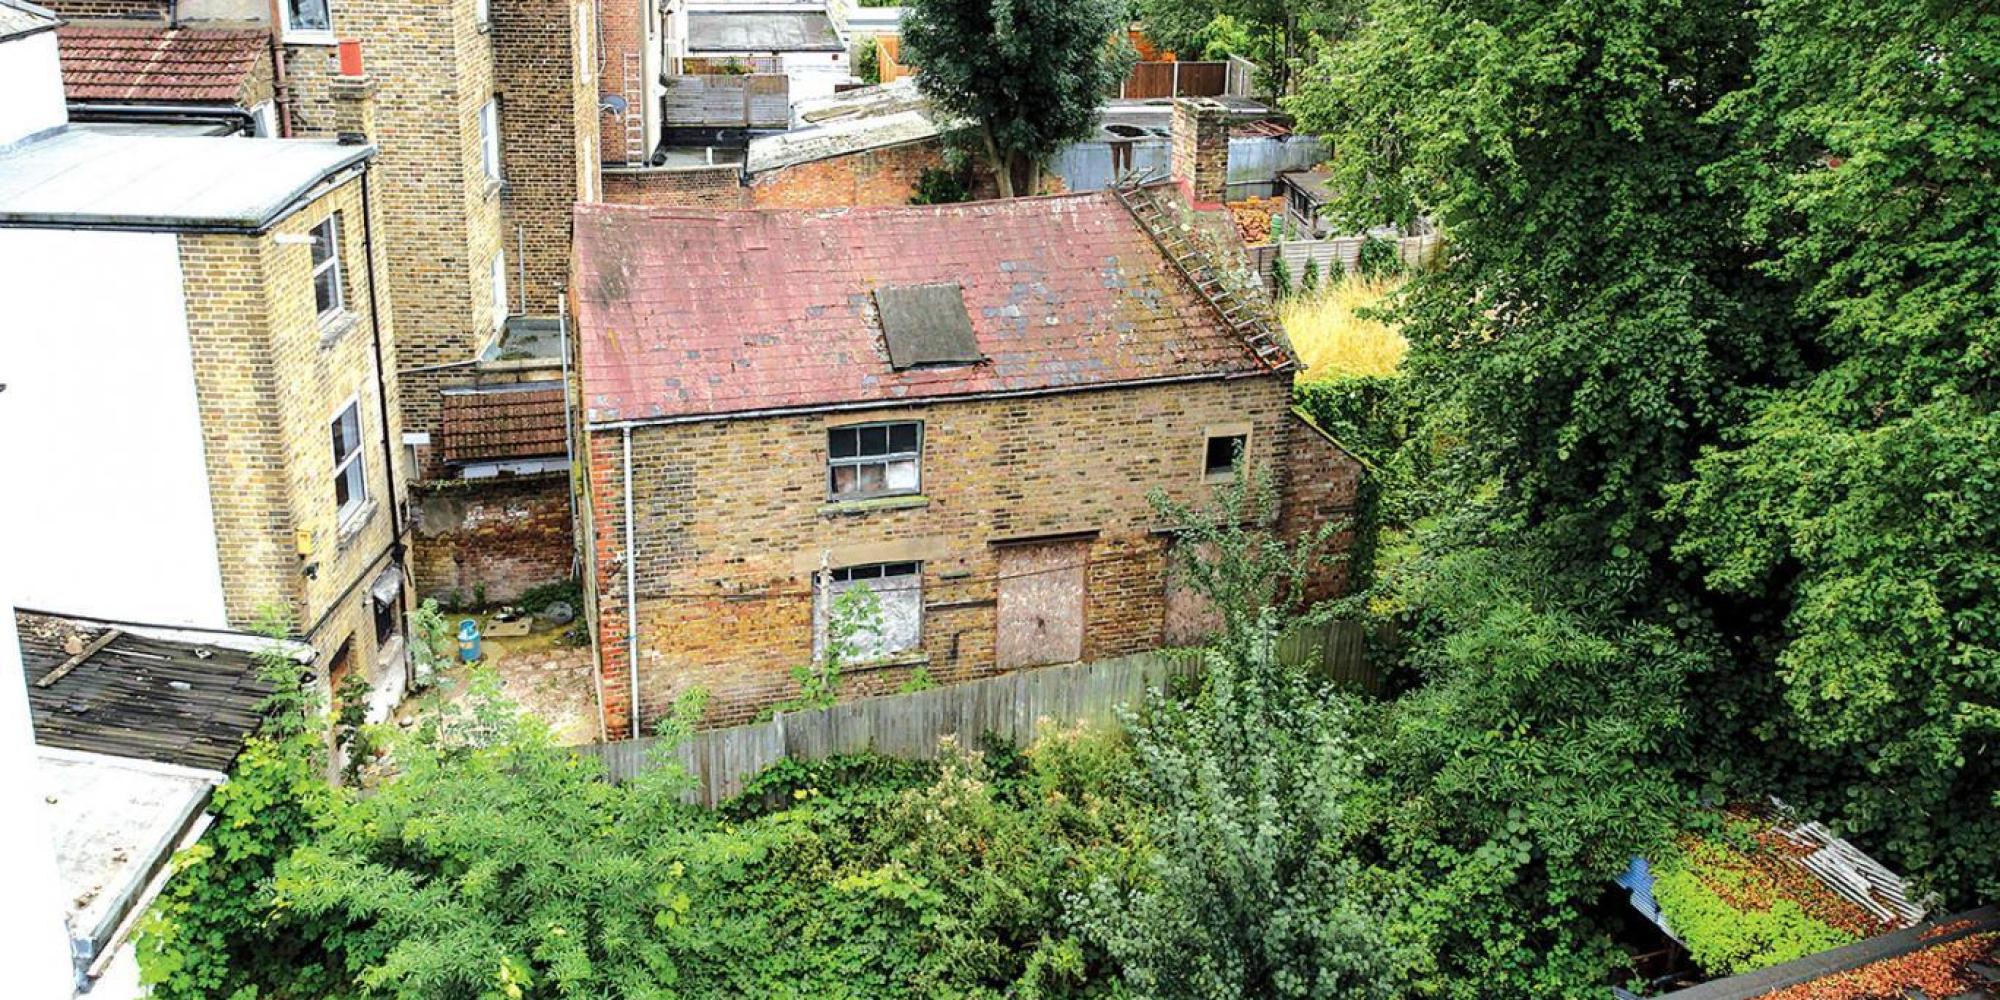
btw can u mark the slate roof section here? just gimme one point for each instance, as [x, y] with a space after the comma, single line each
[158, 65]
[683, 313]
[187, 703]
[503, 422]
[1956, 958]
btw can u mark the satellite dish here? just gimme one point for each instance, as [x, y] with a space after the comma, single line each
[612, 103]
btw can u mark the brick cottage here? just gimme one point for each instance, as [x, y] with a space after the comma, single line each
[963, 406]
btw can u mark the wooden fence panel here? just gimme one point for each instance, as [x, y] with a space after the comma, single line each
[1336, 255]
[728, 100]
[1011, 706]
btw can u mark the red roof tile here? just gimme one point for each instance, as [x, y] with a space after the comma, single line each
[506, 424]
[685, 312]
[158, 65]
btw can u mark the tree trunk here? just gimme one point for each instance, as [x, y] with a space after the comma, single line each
[1003, 166]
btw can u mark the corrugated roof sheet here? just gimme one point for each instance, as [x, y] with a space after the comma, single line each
[149, 65]
[684, 312]
[79, 178]
[503, 423]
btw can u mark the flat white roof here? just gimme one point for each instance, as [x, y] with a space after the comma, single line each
[82, 178]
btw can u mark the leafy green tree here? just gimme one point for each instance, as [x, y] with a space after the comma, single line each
[1860, 500]
[1027, 75]
[206, 936]
[1248, 890]
[1716, 339]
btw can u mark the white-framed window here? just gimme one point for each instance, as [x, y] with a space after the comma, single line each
[484, 11]
[350, 473]
[898, 623]
[307, 16]
[266, 117]
[328, 295]
[499, 280]
[489, 138]
[874, 460]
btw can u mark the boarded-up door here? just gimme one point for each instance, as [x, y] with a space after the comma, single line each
[1041, 604]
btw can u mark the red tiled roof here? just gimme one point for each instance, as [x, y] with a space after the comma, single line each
[497, 425]
[158, 65]
[685, 312]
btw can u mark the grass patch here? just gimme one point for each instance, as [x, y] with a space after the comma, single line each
[1336, 330]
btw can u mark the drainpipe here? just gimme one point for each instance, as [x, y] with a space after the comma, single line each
[382, 406]
[631, 590]
[281, 92]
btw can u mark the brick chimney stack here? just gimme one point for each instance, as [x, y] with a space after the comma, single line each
[1201, 150]
[353, 94]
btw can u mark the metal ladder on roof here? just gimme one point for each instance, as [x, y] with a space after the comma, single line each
[634, 121]
[1160, 219]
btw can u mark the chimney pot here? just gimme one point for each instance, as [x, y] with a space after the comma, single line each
[350, 57]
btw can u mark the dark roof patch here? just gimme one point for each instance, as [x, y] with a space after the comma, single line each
[176, 702]
[926, 325]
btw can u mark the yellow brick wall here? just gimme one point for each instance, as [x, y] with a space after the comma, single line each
[727, 547]
[270, 376]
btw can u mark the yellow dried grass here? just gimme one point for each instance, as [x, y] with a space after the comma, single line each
[1333, 340]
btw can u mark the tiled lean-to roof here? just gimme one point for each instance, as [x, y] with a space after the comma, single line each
[158, 65]
[684, 312]
[503, 422]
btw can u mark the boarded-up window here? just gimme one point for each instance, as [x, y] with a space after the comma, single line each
[898, 624]
[1191, 616]
[1041, 603]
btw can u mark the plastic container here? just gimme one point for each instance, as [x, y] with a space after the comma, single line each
[468, 641]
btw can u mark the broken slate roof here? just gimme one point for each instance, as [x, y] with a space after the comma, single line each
[503, 422]
[147, 65]
[683, 313]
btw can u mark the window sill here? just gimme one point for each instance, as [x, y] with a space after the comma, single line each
[494, 185]
[353, 521]
[335, 325]
[873, 504]
[908, 658]
[326, 38]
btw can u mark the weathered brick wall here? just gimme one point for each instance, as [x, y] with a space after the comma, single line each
[621, 39]
[1321, 484]
[1200, 150]
[502, 535]
[433, 63]
[727, 547]
[542, 95]
[676, 187]
[270, 376]
[874, 177]
[132, 10]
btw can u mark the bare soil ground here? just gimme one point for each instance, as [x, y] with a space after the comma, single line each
[549, 680]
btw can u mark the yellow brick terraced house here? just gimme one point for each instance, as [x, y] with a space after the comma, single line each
[200, 404]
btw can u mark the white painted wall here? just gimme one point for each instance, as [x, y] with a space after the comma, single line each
[34, 940]
[31, 80]
[103, 482]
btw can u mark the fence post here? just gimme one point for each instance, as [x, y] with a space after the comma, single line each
[1175, 90]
